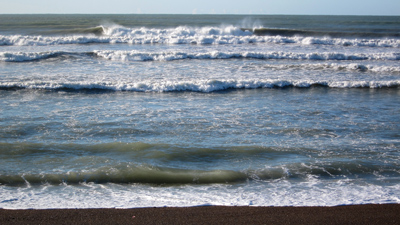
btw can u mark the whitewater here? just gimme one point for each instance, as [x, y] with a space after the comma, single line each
[122, 111]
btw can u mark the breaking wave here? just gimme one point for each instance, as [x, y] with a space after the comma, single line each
[130, 173]
[168, 56]
[176, 55]
[194, 86]
[188, 35]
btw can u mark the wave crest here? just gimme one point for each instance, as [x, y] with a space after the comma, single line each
[195, 85]
[168, 56]
[148, 174]
[188, 35]
[177, 55]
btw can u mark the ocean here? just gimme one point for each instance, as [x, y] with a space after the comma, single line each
[127, 111]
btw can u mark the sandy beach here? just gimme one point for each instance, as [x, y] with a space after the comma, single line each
[354, 214]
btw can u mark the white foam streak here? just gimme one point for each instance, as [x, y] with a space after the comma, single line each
[338, 67]
[167, 56]
[197, 85]
[27, 56]
[49, 40]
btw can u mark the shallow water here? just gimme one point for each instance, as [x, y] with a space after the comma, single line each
[199, 112]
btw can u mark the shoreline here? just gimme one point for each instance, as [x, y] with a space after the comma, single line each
[347, 214]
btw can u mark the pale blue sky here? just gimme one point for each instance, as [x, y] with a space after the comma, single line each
[310, 7]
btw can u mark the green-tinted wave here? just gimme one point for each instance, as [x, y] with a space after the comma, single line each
[125, 173]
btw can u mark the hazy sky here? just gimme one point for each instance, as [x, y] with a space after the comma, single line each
[321, 7]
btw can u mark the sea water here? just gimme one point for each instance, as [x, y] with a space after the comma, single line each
[186, 110]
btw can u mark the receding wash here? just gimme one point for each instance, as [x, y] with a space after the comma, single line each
[122, 111]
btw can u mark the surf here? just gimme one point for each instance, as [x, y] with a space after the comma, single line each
[223, 35]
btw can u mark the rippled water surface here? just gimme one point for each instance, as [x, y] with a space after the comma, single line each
[163, 110]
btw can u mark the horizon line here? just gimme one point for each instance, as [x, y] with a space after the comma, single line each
[194, 14]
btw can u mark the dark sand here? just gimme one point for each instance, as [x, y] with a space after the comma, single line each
[355, 214]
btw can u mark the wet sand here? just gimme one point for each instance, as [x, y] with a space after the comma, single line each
[354, 214]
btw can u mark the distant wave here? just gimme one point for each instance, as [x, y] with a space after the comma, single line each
[99, 30]
[294, 32]
[194, 85]
[168, 56]
[175, 55]
[188, 35]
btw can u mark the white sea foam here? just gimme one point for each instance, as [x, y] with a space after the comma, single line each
[175, 55]
[27, 56]
[197, 85]
[167, 56]
[307, 152]
[49, 40]
[279, 193]
[188, 35]
[135, 55]
[336, 66]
